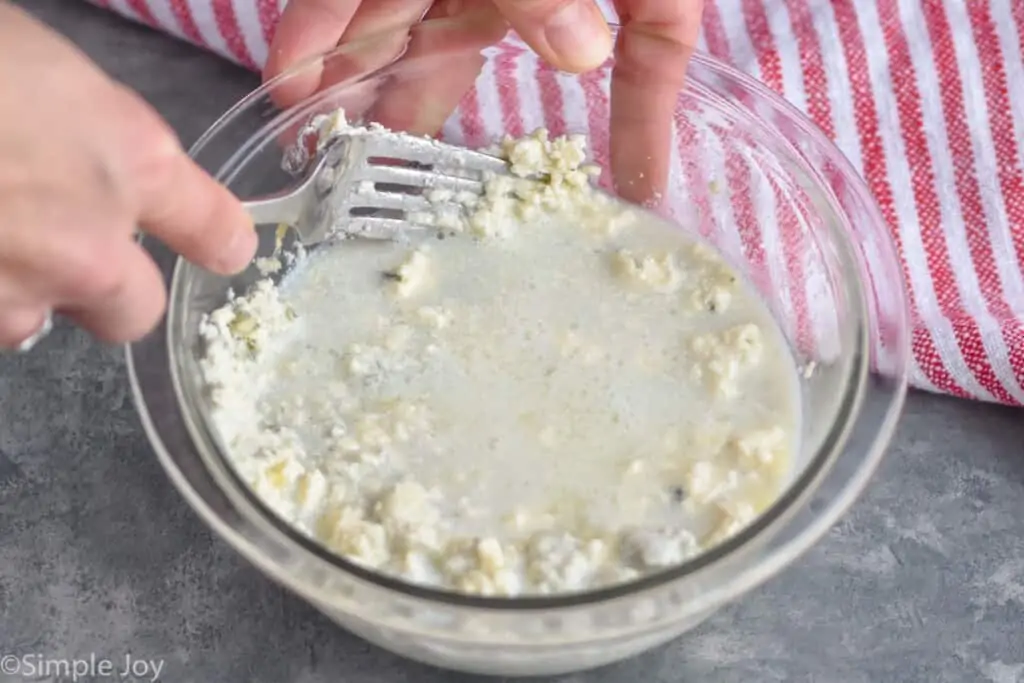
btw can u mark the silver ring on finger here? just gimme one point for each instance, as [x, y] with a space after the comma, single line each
[29, 342]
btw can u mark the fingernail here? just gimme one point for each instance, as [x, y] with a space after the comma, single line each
[579, 36]
[240, 250]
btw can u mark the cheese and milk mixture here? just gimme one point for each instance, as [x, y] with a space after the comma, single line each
[550, 392]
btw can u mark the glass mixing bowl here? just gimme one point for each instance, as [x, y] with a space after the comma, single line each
[748, 172]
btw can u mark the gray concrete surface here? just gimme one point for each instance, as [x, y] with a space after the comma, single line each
[922, 583]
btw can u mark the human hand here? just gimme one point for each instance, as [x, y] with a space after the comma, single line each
[438, 41]
[652, 51]
[83, 164]
[658, 38]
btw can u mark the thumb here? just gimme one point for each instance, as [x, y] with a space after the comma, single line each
[569, 34]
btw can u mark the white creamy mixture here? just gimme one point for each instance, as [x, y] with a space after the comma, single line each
[557, 394]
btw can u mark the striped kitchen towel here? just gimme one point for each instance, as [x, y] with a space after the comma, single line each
[926, 99]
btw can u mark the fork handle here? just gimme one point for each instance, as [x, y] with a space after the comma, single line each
[275, 210]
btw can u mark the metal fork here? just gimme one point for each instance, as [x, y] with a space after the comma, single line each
[372, 184]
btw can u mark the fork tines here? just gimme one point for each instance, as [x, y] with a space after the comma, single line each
[397, 179]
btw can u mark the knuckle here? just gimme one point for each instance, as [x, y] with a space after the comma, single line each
[93, 275]
[150, 143]
[156, 163]
[27, 216]
[161, 145]
[134, 313]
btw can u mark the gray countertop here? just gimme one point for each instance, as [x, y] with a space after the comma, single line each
[922, 582]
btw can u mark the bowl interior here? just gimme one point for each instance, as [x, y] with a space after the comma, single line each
[746, 174]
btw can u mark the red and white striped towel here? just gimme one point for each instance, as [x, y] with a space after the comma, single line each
[925, 97]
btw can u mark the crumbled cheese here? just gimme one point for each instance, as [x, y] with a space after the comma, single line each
[732, 518]
[546, 175]
[705, 481]
[808, 370]
[411, 276]
[658, 548]
[334, 462]
[268, 265]
[760, 447]
[330, 125]
[660, 272]
[726, 355]
[562, 562]
[361, 541]
[406, 506]
[490, 555]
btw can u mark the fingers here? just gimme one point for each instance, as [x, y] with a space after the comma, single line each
[440, 61]
[421, 106]
[104, 281]
[308, 28]
[376, 35]
[175, 200]
[443, 61]
[570, 34]
[359, 58]
[129, 304]
[196, 217]
[372, 37]
[19, 325]
[654, 47]
[83, 165]
[383, 16]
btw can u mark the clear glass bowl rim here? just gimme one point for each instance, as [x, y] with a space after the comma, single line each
[775, 517]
